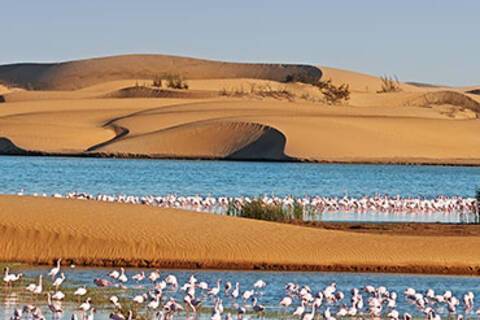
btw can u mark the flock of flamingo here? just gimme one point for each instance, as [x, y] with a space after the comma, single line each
[154, 298]
[315, 204]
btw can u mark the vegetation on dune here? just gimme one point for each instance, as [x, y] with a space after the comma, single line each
[175, 81]
[262, 91]
[172, 81]
[389, 84]
[257, 209]
[157, 82]
[334, 94]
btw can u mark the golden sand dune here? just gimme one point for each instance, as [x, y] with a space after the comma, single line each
[361, 82]
[235, 118]
[88, 232]
[83, 73]
[220, 127]
[206, 140]
[445, 98]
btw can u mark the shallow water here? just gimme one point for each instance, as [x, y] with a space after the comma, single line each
[274, 291]
[230, 178]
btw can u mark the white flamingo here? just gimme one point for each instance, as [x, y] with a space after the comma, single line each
[55, 270]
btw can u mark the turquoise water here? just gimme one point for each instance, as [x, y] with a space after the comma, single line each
[275, 289]
[144, 177]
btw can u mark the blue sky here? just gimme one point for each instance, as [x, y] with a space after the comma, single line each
[422, 40]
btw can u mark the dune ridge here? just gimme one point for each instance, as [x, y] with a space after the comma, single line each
[82, 73]
[94, 233]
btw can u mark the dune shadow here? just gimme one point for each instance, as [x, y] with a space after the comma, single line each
[7, 147]
[270, 146]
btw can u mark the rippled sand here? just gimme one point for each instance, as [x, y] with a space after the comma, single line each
[39, 230]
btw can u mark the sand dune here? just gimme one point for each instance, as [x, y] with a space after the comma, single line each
[234, 118]
[83, 73]
[87, 232]
[206, 140]
[360, 82]
[217, 128]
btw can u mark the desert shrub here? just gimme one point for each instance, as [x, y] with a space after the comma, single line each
[289, 78]
[334, 94]
[256, 90]
[157, 82]
[257, 209]
[175, 81]
[389, 84]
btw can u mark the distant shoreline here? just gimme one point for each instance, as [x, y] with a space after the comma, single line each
[405, 162]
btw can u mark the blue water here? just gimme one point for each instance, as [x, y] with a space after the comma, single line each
[159, 177]
[274, 291]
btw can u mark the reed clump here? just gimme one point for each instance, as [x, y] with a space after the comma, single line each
[389, 84]
[169, 80]
[332, 93]
[259, 210]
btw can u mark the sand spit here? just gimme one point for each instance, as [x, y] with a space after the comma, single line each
[39, 230]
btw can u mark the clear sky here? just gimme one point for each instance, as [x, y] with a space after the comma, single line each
[418, 40]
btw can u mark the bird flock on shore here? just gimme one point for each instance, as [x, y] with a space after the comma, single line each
[310, 204]
[157, 296]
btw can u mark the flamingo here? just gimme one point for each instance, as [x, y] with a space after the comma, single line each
[154, 276]
[115, 301]
[58, 295]
[139, 276]
[140, 299]
[80, 292]
[300, 309]
[122, 277]
[258, 308]
[54, 308]
[260, 284]
[10, 278]
[58, 281]
[91, 314]
[38, 289]
[286, 302]
[309, 316]
[248, 294]
[55, 270]
[154, 304]
[86, 305]
[114, 274]
[215, 290]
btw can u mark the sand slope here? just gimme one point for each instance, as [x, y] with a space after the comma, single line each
[233, 118]
[87, 232]
[83, 73]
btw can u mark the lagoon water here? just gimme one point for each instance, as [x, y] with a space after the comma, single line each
[274, 292]
[230, 178]
[143, 177]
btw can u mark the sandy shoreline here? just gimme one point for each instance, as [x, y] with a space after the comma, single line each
[403, 162]
[39, 230]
